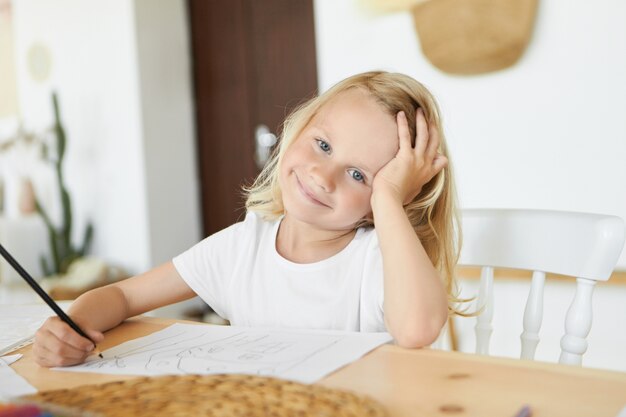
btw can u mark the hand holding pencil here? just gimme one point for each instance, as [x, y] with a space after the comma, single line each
[57, 344]
[60, 341]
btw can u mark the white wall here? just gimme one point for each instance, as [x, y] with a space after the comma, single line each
[121, 69]
[546, 133]
[172, 182]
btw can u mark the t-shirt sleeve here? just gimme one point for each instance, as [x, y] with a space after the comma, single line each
[207, 266]
[372, 291]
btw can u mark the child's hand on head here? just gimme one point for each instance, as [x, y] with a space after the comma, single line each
[403, 177]
[56, 344]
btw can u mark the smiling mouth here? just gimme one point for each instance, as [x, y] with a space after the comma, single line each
[308, 194]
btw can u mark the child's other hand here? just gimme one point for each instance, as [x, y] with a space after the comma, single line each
[57, 344]
[404, 176]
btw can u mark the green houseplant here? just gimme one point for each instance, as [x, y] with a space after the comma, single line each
[62, 251]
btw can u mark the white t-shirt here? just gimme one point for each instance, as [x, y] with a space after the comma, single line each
[238, 272]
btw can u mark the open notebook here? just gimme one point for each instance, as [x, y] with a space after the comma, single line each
[19, 322]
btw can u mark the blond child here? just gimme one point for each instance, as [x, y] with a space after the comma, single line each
[350, 226]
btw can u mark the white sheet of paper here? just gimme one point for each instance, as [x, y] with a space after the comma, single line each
[9, 359]
[12, 384]
[18, 323]
[299, 355]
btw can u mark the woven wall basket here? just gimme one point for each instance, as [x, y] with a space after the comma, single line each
[474, 36]
[210, 395]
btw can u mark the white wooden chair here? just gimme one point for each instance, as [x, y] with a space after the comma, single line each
[580, 245]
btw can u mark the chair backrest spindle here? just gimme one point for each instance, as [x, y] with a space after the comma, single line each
[582, 245]
[533, 316]
[484, 328]
[577, 323]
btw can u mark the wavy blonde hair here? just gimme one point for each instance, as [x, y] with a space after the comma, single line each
[432, 212]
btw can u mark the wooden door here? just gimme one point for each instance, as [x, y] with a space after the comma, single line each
[253, 61]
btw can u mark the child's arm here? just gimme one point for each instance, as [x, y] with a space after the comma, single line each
[101, 309]
[415, 300]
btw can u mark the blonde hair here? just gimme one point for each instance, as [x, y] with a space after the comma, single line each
[432, 212]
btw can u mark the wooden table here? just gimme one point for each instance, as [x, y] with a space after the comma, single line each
[420, 382]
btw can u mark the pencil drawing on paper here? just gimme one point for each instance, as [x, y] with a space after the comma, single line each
[244, 352]
[301, 355]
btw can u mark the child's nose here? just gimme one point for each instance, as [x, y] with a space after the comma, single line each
[324, 177]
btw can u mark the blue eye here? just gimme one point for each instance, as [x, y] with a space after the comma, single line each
[323, 145]
[356, 175]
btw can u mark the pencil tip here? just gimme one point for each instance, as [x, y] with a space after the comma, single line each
[100, 354]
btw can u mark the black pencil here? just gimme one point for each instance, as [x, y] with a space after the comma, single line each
[44, 296]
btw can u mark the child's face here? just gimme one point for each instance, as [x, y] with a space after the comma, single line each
[327, 172]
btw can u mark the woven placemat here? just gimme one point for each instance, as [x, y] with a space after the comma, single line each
[212, 395]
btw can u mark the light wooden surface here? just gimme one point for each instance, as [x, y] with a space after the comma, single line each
[421, 382]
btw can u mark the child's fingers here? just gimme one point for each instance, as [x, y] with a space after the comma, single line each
[439, 163]
[95, 335]
[403, 131]
[433, 143]
[421, 129]
[57, 355]
[62, 331]
[51, 351]
[49, 341]
[48, 358]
